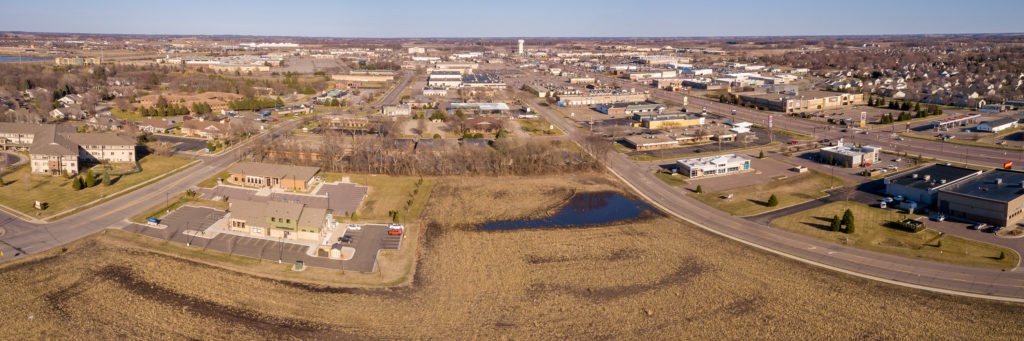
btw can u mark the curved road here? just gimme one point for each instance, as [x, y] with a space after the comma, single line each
[951, 279]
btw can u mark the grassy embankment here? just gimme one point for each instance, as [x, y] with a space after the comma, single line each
[875, 230]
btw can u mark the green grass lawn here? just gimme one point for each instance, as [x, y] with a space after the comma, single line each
[753, 200]
[212, 181]
[872, 233]
[388, 193]
[671, 179]
[21, 188]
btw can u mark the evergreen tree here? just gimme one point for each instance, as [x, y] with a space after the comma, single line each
[760, 155]
[89, 180]
[699, 189]
[848, 221]
[836, 224]
[773, 201]
[917, 107]
[76, 183]
[106, 178]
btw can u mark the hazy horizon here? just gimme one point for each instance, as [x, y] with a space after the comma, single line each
[523, 19]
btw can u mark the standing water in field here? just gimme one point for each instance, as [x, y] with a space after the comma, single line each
[583, 209]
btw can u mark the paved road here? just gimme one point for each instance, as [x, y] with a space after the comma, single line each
[892, 269]
[25, 237]
[392, 97]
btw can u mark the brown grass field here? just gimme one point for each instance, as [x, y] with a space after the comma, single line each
[650, 279]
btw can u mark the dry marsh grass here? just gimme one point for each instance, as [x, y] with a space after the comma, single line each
[657, 278]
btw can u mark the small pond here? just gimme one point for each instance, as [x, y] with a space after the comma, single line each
[583, 209]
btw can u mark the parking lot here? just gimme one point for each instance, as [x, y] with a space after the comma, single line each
[368, 241]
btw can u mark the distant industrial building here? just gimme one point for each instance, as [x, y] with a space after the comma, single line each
[803, 101]
[713, 165]
[582, 80]
[76, 61]
[435, 91]
[598, 98]
[651, 142]
[995, 197]
[479, 108]
[849, 155]
[483, 80]
[396, 110]
[998, 125]
[922, 185]
[622, 109]
[444, 79]
[706, 84]
[362, 78]
[669, 121]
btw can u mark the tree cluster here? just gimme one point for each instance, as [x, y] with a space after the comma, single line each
[163, 108]
[383, 155]
[255, 103]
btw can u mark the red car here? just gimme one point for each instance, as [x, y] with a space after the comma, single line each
[395, 232]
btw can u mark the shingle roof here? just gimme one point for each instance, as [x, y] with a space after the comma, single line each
[275, 170]
[48, 142]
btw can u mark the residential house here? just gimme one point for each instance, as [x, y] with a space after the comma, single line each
[104, 121]
[71, 100]
[69, 113]
[209, 130]
[284, 220]
[255, 174]
[157, 125]
[482, 124]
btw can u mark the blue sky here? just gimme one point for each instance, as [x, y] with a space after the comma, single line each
[522, 18]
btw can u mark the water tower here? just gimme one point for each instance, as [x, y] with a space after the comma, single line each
[521, 46]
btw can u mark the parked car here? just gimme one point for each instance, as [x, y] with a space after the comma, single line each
[979, 226]
[395, 232]
[345, 239]
[887, 199]
[898, 198]
[354, 227]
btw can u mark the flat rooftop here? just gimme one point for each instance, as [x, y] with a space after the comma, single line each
[931, 176]
[998, 184]
[806, 94]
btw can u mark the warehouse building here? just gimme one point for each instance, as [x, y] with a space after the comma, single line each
[922, 185]
[995, 197]
[802, 101]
